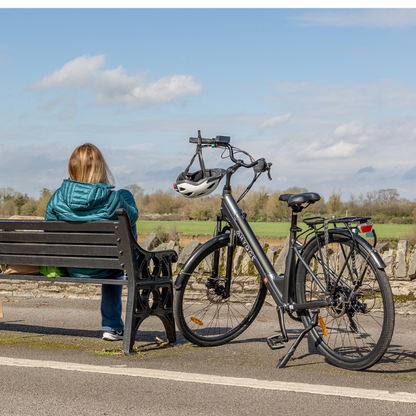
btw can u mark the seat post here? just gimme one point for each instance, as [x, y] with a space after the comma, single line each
[294, 221]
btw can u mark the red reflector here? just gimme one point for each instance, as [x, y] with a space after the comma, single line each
[174, 185]
[365, 228]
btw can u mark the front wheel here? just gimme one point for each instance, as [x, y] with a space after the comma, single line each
[210, 308]
[356, 330]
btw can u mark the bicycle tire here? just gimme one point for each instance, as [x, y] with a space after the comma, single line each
[205, 318]
[360, 324]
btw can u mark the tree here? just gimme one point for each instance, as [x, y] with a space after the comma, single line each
[162, 203]
[334, 203]
[387, 196]
[295, 190]
[19, 202]
[7, 194]
[45, 192]
[135, 189]
[30, 208]
[8, 208]
[45, 196]
[277, 210]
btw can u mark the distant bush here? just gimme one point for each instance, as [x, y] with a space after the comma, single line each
[166, 236]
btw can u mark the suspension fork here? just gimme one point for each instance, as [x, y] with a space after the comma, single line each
[229, 263]
[216, 259]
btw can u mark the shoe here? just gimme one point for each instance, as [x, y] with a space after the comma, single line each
[113, 335]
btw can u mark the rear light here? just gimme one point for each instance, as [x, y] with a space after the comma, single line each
[365, 228]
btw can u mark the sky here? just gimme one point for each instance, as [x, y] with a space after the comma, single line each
[326, 95]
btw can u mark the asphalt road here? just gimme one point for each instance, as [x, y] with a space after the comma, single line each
[53, 362]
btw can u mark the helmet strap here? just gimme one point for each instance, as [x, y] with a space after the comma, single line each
[201, 159]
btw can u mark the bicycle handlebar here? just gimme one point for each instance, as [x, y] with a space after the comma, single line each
[259, 165]
[218, 141]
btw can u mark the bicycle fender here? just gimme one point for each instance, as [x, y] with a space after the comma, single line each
[362, 242]
[195, 254]
[374, 254]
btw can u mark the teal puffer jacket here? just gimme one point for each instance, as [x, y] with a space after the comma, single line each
[81, 201]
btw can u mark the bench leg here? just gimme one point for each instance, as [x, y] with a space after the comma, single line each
[129, 331]
[138, 309]
[165, 312]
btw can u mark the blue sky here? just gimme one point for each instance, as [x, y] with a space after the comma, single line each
[327, 95]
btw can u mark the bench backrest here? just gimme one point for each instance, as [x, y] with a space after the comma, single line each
[96, 245]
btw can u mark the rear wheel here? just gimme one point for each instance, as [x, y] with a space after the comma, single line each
[206, 311]
[356, 330]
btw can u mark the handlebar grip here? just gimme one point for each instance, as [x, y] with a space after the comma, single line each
[203, 141]
[261, 164]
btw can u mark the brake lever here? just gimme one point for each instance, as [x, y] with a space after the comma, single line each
[268, 168]
[261, 166]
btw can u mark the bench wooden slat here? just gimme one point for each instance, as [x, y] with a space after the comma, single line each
[50, 237]
[59, 249]
[59, 261]
[68, 279]
[39, 225]
[64, 279]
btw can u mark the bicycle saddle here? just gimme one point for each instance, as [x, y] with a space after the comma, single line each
[298, 199]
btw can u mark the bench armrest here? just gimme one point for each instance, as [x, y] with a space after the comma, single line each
[172, 254]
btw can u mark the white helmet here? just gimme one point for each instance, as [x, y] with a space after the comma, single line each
[200, 183]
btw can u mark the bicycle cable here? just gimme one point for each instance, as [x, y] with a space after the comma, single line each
[267, 167]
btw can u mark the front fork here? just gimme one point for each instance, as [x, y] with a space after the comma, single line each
[229, 264]
[212, 282]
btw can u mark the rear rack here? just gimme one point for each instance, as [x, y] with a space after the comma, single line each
[320, 220]
[320, 224]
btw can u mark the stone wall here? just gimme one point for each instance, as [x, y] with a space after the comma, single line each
[400, 262]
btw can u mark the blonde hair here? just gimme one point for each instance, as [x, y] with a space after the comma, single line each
[87, 164]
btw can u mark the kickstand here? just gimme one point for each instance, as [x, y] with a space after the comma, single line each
[288, 355]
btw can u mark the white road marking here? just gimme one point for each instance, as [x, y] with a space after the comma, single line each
[216, 380]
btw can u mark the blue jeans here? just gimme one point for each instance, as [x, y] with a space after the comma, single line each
[111, 307]
[111, 304]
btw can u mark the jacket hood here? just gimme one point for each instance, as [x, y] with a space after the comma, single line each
[82, 196]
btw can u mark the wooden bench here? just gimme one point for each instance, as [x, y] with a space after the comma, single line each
[96, 245]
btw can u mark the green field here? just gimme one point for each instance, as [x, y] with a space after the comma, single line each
[262, 229]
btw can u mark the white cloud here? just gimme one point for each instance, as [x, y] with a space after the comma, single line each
[77, 73]
[114, 86]
[353, 128]
[373, 18]
[275, 121]
[338, 150]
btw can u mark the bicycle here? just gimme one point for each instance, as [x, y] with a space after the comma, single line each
[334, 281]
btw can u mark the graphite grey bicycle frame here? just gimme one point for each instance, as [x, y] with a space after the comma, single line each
[281, 288]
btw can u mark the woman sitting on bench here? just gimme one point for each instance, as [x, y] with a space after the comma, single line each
[88, 195]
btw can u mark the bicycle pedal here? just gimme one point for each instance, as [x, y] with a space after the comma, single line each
[275, 342]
